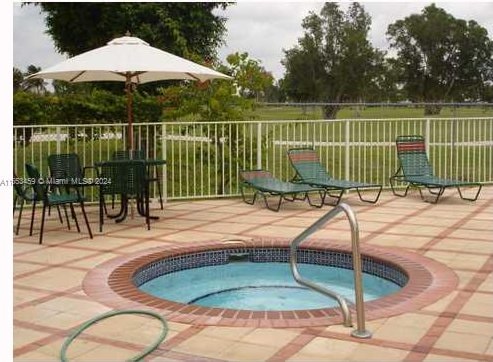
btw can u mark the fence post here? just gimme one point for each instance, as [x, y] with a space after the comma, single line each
[346, 156]
[259, 145]
[427, 135]
[453, 149]
[164, 173]
[58, 139]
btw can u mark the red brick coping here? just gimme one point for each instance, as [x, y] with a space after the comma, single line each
[110, 283]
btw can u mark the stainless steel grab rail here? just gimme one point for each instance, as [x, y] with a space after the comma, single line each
[361, 331]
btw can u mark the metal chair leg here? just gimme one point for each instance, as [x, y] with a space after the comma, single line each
[59, 213]
[391, 179]
[436, 194]
[42, 224]
[367, 200]
[32, 218]
[322, 197]
[467, 198]
[275, 208]
[66, 216]
[101, 219]
[244, 197]
[337, 197]
[159, 192]
[85, 218]
[146, 196]
[19, 217]
[75, 217]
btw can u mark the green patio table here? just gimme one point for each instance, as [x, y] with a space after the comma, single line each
[122, 214]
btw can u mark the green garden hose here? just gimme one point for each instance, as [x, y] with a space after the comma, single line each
[99, 318]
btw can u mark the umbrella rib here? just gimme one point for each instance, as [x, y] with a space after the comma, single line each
[132, 74]
[77, 76]
[194, 77]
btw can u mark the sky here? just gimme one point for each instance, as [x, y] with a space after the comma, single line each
[260, 28]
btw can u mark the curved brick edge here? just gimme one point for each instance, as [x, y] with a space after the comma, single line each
[110, 283]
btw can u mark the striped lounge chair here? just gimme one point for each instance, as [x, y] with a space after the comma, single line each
[310, 171]
[416, 170]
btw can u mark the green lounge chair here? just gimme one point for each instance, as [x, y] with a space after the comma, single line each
[416, 170]
[310, 171]
[265, 184]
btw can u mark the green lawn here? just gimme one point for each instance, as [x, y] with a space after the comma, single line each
[315, 112]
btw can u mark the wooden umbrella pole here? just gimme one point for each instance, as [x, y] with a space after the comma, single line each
[130, 135]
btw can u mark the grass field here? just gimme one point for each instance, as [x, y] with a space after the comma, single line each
[315, 112]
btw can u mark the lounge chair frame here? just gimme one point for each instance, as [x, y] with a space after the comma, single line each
[322, 178]
[416, 170]
[287, 191]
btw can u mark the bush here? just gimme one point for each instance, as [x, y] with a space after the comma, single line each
[94, 106]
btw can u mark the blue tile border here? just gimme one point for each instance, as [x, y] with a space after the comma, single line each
[262, 255]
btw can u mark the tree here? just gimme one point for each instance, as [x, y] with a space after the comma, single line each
[34, 85]
[275, 93]
[441, 58]
[488, 93]
[18, 78]
[384, 86]
[180, 28]
[30, 85]
[333, 61]
[184, 29]
[220, 101]
[251, 78]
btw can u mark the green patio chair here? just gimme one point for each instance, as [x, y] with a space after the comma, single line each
[127, 179]
[416, 170]
[24, 193]
[41, 194]
[66, 168]
[264, 184]
[310, 171]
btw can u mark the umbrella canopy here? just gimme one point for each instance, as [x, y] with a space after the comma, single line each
[131, 60]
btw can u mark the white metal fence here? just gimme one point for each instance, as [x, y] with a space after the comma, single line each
[204, 159]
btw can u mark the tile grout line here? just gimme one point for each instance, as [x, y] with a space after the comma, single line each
[292, 347]
[426, 343]
[450, 229]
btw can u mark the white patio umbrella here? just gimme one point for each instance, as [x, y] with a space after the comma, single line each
[131, 60]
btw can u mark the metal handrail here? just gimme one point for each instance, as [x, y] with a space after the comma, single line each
[361, 331]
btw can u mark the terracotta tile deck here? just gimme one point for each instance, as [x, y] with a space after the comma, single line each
[49, 298]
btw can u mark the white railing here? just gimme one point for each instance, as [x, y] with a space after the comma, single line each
[204, 159]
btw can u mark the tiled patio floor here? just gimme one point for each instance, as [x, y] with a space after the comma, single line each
[49, 300]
